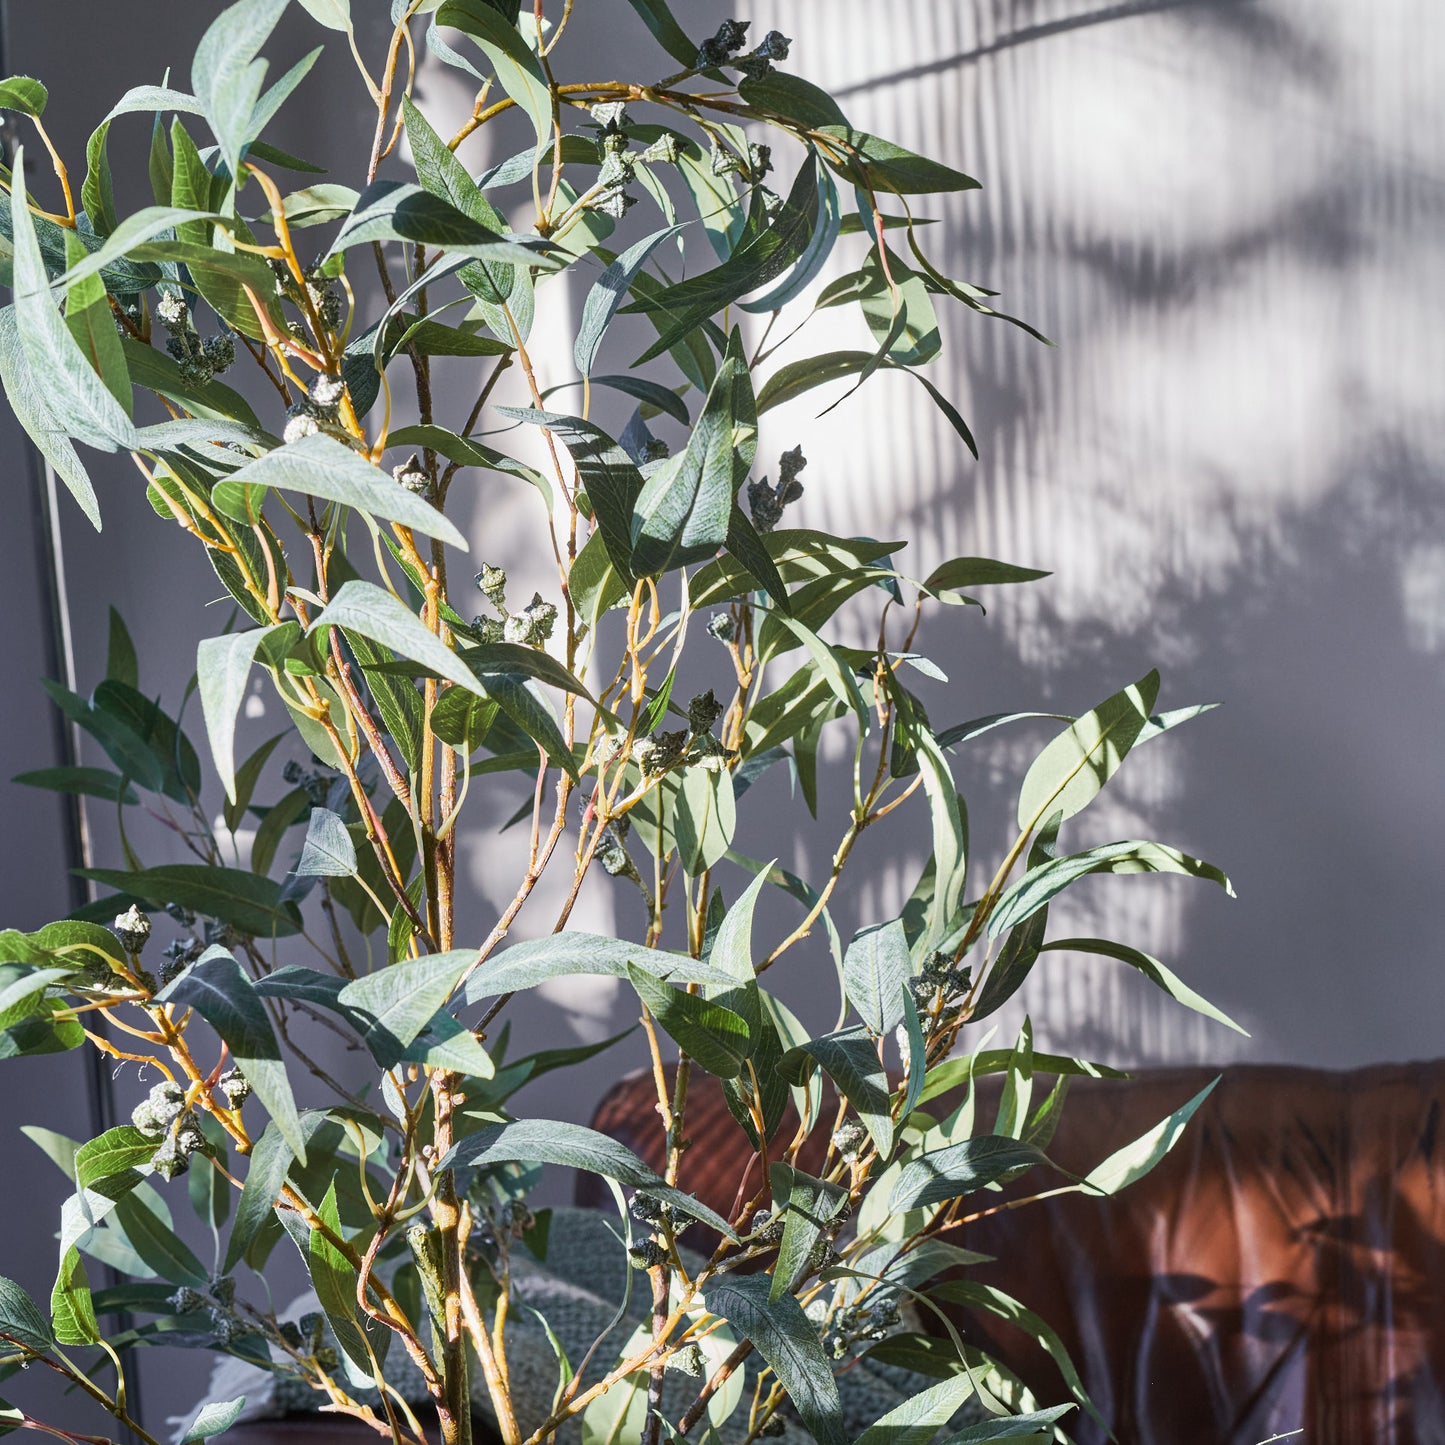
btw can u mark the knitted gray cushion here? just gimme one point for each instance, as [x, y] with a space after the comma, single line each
[576, 1290]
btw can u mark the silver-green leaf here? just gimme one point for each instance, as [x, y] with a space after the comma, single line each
[320, 466]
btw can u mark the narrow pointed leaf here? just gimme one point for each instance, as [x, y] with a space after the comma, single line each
[335, 1283]
[553, 1141]
[850, 1058]
[320, 466]
[608, 293]
[1134, 1161]
[920, 1417]
[753, 265]
[77, 397]
[575, 954]
[373, 612]
[610, 477]
[223, 667]
[876, 968]
[72, 1311]
[960, 1169]
[1039, 885]
[20, 1317]
[517, 68]
[220, 991]
[158, 1245]
[1151, 968]
[1012, 1429]
[33, 411]
[889, 167]
[788, 1340]
[328, 851]
[715, 1037]
[400, 1000]
[213, 1419]
[1073, 768]
[226, 76]
[808, 1205]
[270, 1160]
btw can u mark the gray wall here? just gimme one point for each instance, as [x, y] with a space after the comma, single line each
[1227, 217]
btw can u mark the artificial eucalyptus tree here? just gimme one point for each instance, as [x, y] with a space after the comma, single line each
[725, 201]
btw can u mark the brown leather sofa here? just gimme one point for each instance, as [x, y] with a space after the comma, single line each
[1283, 1269]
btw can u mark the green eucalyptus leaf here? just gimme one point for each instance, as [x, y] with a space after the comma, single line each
[888, 167]
[28, 399]
[1045, 882]
[575, 954]
[20, 1317]
[217, 1418]
[518, 70]
[502, 290]
[950, 838]
[753, 265]
[112, 1152]
[901, 317]
[467, 452]
[220, 991]
[367, 609]
[994, 1301]
[920, 1417]
[792, 96]
[788, 1340]
[975, 727]
[320, 466]
[405, 212]
[1151, 968]
[223, 668]
[553, 1141]
[1072, 770]
[88, 319]
[158, 372]
[732, 948]
[333, 14]
[807, 1205]
[1131, 1163]
[850, 1058]
[270, 102]
[659, 19]
[609, 476]
[328, 851]
[607, 295]
[253, 905]
[77, 397]
[226, 75]
[1012, 1429]
[335, 1280]
[400, 1000]
[686, 505]
[85, 782]
[72, 1312]
[525, 705]
[704, 818]
[963, 572]
[814, 257]
[960, 1169]
[24, 95]
[154, 98]
[716, 1038]
[158, 1245]
[120, 657]
[876, 970]
[266, 1175]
